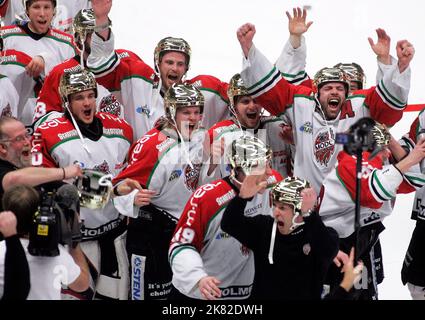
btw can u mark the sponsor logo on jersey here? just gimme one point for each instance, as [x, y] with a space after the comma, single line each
[144, 110]
[60, 36]
[226, 197]
[103, 167]
[236, 291]
[5, 32]
[254, 210]
[175, 174]
[113, 131]
[111, 105]
[69, 134]
[11, 58]
[374, 216]
[123, 55]
[73, 69]
[229, 128]
[137, 277]
[222, 235]
[89, 233]
[324, 147]
[165, 144]
[191, 176]
[197, 83]
[307, 127]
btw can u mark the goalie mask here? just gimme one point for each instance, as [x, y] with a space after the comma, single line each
[354, 73]
[73, 82]
[248, 153]
[182, 96]
[327, 75]
[172, 44]
[94, 188]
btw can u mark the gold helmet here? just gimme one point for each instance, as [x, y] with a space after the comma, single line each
[327, 75]
[26, 3]
[181, 96]
[78, 81]
[236, 88]
[94, 188]
[381, 135]
[172, 44]
[288, 191]
[83, 24]
[354, 73]
[248, 153]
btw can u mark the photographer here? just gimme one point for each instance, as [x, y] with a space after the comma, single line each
[46, 273]
[380, 183]
[15, 159]
[16, 281]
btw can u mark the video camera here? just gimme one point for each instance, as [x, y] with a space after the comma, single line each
[55, 222]
[359, 137]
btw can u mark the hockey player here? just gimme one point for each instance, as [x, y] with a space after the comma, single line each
[413, 271]
[290, 262]
[167, 162]
[45, 45]
[247, 118]
[49, 98]
[14, 12]
[207, 262]
[98, 141]
[316, 117]
[144, 87]
[380, 183]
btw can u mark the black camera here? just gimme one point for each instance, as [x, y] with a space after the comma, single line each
[55, 222]
[359, 137]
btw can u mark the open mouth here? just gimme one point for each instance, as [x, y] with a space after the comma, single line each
[280, 224]
[173, 78]
[251, 115]
[333, 102]
[87, 112]
[26, 153]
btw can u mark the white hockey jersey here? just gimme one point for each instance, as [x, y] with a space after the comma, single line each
[380, 183]
[55, 47]
[8, 97]
[200, 248]
[159, 161]
[60, 146]
[13, 12]
[268, 131]
[12, 64]
[314, 136]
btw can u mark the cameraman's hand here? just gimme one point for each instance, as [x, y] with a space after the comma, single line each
[7, 223]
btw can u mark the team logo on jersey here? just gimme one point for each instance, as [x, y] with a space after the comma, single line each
[324, 147]
[111, 105]
[307, 127]
[191, 176]
[306, 249]
[7, 111]
[103, 167]
[144, 110]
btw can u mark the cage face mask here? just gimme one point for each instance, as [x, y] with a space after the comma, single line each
[94, 188]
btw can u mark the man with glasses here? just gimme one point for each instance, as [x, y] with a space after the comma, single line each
[15, 159]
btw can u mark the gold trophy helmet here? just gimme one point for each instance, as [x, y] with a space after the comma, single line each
[236, 88]
[288, 191]
[248, 153]
[181, 96]
[354, 73]
[73, 82]
[83, 24]
[172, 44]
[327, 75]
[94, 189]
[381, 135]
